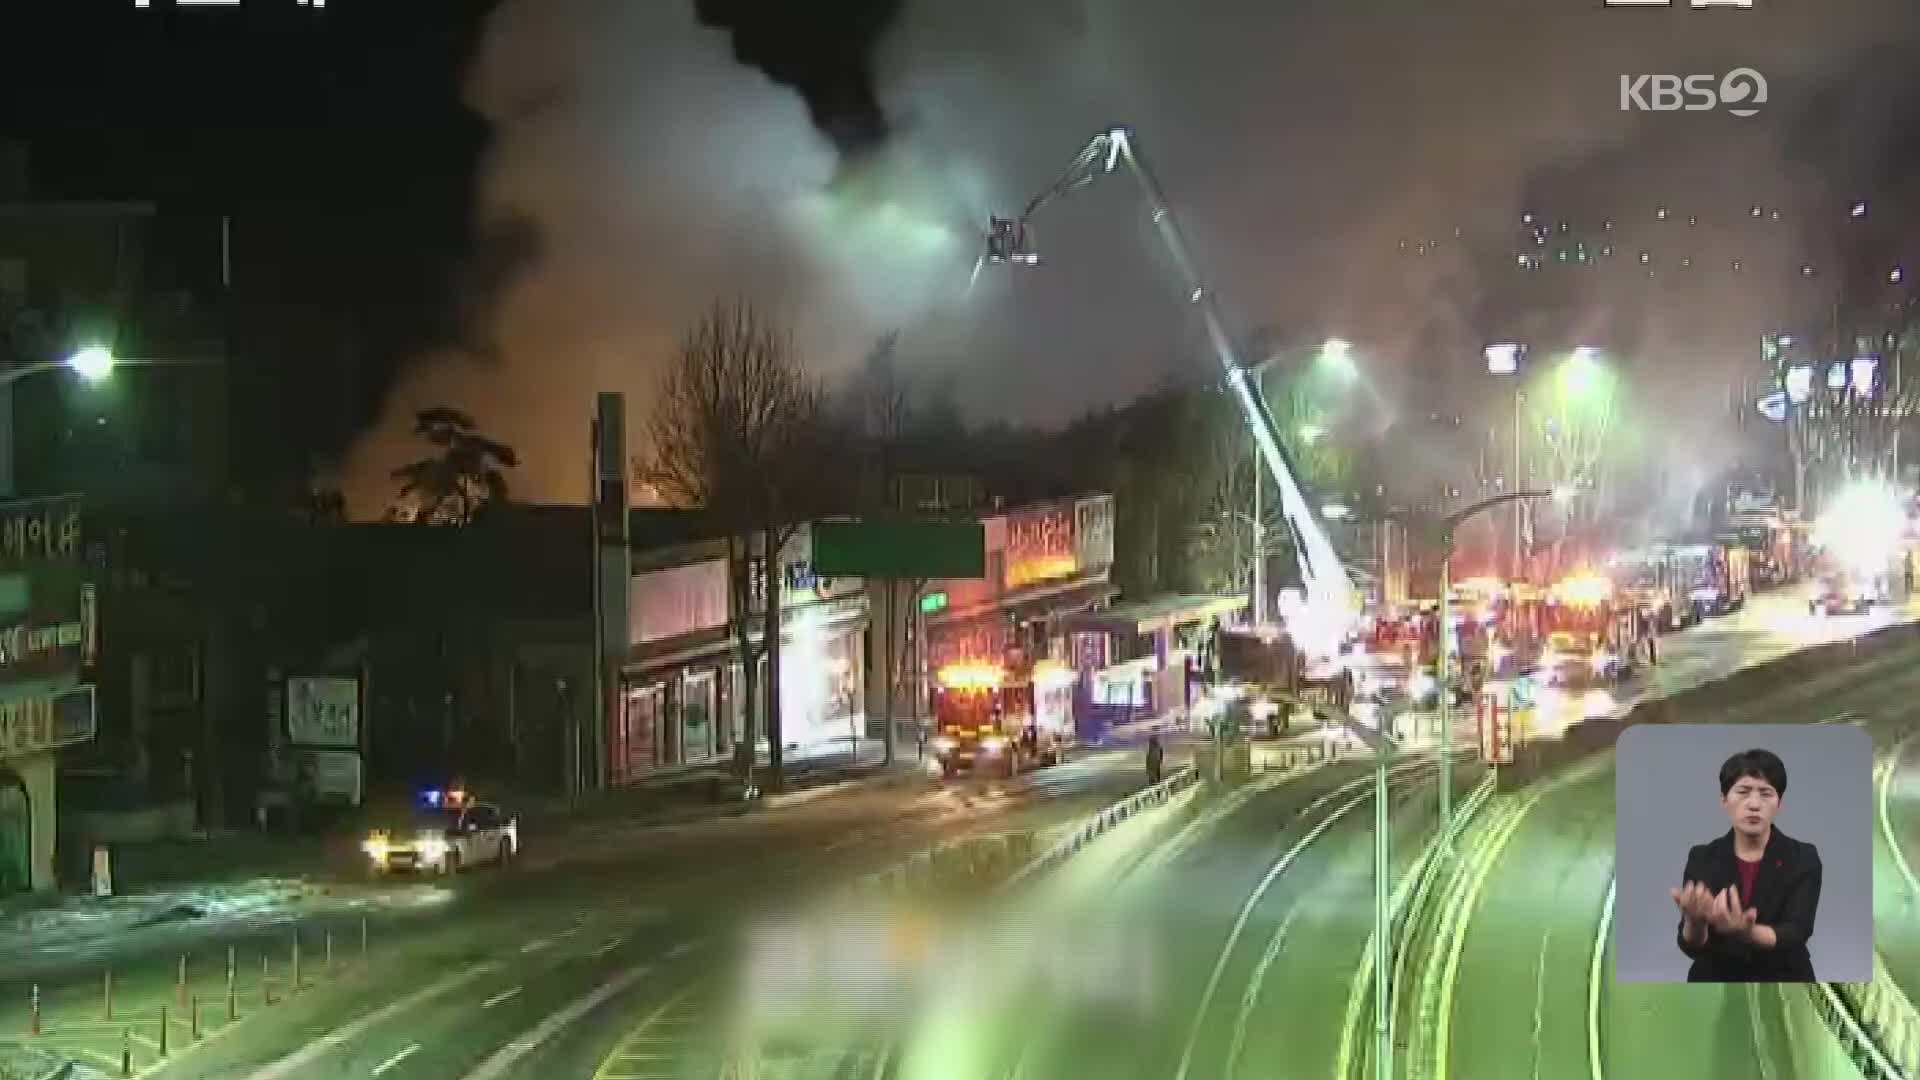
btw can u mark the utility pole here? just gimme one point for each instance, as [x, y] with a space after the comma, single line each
[1259, 556]
[1444, 743]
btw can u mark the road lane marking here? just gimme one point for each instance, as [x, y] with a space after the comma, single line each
[412, 1049]
[294, 1063]
[1886, 816]
[503, 995]
[1246, 912]
[1594, 970]
[612, 944]
[642, 1034]
[1470, 902]
[509, 1055]
[535, 945]
[1252, 995]
[1540, 997]
[684, 948]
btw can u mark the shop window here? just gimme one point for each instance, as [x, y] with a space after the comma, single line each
[697, 716]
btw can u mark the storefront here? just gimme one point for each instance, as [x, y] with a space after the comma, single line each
[673, 701]
[823, 652]
[1139, 659]
[1045, 564]
[48, 639]
[682, 699]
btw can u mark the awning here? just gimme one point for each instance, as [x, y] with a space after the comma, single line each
[1159, 613]
[1044, 601]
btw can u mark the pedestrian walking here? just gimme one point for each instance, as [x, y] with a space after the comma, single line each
[1156, 754]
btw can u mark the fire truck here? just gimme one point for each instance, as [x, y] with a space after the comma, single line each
[1265, 668]
[1594, 633]
[1001, 717]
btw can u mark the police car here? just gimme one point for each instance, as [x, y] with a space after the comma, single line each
[448, 831]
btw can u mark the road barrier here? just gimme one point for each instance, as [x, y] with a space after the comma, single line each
[124, 1023]
[1103, 822]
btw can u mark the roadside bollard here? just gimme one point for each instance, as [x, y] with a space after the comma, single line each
[106, 993]
[180, 984]
[294, 986]
[266, 983]
[126, 1051]
[33, 1017]
[163, 1031]
[233, 991]
[363, 941]
[329, 954]
[193, 1018]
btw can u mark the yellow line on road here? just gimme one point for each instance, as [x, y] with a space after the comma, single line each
[1444, 1022]
[1886, 817]
[1594, 971]
[607, 1070]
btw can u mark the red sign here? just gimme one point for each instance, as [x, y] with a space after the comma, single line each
[1039, 547]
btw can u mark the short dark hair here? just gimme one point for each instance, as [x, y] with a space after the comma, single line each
[1758, 764]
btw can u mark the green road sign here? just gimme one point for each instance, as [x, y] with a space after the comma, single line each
[900, 549]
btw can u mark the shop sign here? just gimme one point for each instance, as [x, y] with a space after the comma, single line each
[23, 644]
[46, 721]
[1093, 531]
[40, 530]
[323, 710]
[932, 602]
[330, 776]
[679, 600]
[1039, 547]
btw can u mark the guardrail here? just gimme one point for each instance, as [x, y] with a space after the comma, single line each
[1874, 1022]
[1098, 825]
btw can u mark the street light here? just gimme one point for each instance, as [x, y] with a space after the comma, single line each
[93, 363]
[1311, 432]
[1337, 355]
[1580, 375]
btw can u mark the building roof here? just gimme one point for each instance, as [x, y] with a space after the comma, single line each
[1157, 613]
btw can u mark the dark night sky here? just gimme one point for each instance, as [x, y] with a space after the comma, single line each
[340, 142]
[506, 206]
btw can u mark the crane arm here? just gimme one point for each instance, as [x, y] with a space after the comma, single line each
[1331, 605]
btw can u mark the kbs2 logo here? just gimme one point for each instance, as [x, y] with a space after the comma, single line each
[1739, 91]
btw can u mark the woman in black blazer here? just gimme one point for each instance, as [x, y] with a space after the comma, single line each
[1749, 899]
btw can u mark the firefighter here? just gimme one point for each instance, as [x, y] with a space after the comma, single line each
[1155, 755]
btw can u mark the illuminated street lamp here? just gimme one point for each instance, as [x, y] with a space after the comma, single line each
[1312, 432]
[1582, 372]
[93, 363]
[1337, 356]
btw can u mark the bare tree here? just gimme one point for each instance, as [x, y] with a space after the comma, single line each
[737, 433]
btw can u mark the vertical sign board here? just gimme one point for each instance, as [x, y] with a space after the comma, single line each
[323, 726]
[1093, 532]
[613, 568]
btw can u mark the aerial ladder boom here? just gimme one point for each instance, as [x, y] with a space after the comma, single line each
[1331, 605]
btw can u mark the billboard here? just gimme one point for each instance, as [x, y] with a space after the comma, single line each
[323, 710]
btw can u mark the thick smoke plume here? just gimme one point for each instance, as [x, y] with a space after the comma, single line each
[1299, 144]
